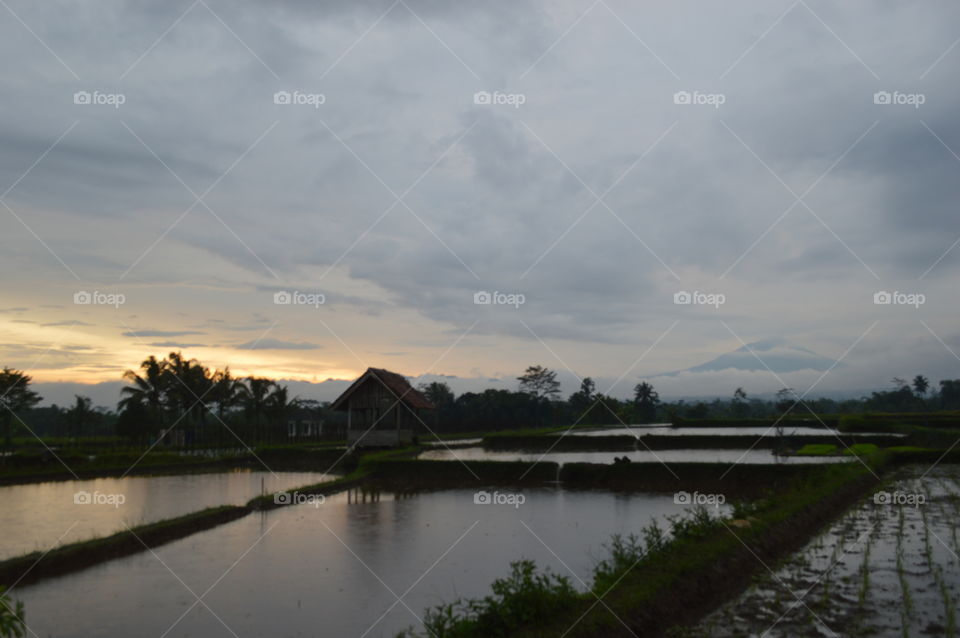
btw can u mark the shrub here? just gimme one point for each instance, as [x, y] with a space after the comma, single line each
[524, 597]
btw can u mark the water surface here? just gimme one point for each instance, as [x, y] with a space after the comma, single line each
[637, 456]
[336, 569]
[641, 430]
[40, 516]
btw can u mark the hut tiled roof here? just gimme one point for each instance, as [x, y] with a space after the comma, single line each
[397, 384]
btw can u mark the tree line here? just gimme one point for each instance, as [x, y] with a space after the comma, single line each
[538, 402]
[190, 404]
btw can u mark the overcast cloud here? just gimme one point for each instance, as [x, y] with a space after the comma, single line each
[310, 240]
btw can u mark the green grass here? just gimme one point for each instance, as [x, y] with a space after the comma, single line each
[861, 449]
[818, 449]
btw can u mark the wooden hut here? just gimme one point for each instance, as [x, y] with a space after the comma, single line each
[382, 409]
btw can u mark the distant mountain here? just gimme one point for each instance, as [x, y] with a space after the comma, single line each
[775, 353]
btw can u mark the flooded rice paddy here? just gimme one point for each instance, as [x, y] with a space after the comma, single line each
[40, 516]
[355, 565]
[889, 567]
[636, 456]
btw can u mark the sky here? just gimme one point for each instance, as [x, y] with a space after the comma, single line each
[705, 195]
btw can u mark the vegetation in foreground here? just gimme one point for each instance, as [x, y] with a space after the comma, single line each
[12, 617]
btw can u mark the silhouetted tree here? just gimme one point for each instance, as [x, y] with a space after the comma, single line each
[540, 382]
[254, 399]
[950, 394]
[645, 399]
[146, 390]
[786, 400]
[80, 417]
[739, 406]
[920, 385]
[15, 396]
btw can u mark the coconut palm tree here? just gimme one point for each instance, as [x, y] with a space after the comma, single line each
[645, 398]
[226, 391]
[146, 392]
[254, 399]
[146, 389]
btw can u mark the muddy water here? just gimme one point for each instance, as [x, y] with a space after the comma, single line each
[889, 567]
[40, 516]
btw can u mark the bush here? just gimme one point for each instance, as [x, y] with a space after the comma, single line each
[525, 597]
